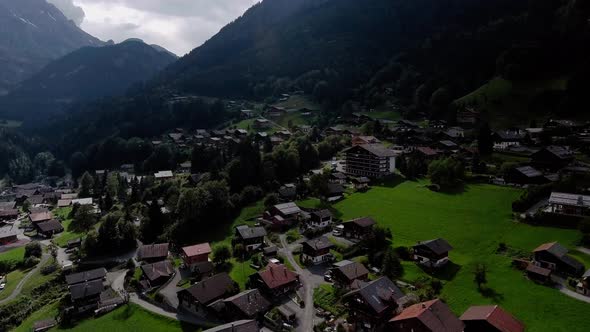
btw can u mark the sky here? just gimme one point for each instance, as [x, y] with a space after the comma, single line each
[177, 25]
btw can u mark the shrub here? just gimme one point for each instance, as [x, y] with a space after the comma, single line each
[30, 262]
[403, 253]
[49, 269]
[33, 249]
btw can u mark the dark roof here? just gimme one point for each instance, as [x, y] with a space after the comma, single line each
[434, 314]
[378, 150]
[158, 270]
[553, 248]
[43, 325]
[495, 316]
[50, 226]
[426, 151]
[353, 270]
[448, 143]
[325, 213]
[288, 192]
[9, 213]
[362, 222]
[438, 246]
[152, 251]
[7, 205]
[339, 176]
[379, 294]
[237, 326]
[249, 302]
[202, 267]
[86, 276]
[335, 189]
[558, 151]
[538, 270]
[510, 135]
[211, 289]
[319, 243]
[277, 275]
[246, 232]
[197, 249]
[270, 250]
[528, 171]
[86, 289]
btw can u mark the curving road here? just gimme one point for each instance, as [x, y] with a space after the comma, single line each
[16, 292]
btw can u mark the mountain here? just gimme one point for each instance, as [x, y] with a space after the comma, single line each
[33, 33]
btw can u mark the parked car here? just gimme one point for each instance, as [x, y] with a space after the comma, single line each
[338, 230]
[2, 286]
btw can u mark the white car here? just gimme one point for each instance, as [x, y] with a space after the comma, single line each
[2, 286]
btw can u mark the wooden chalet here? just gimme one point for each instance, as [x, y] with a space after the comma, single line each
[49, 228]
[156, 274]
[194, 255]
[249, 304]
[201, 295]
[429, 316]
[554, 257]
[432, 253]
[552, 157]
[317, 251]
[345, 273]
[275, 280]
[525, 175]
[490, 318]
[151, 253]
[252, 238]
[361, 228]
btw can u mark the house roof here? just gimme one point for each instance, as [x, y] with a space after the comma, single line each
[237, 326]
[494, 315]
[553, 248]
[538, 270]
[86, 276]
[338, 175]
[35, 199]
[288, 208]
[558, 151]
[434, 314]
[64, 202]
[7, 205]
[157, 270]
[510, 135]
[569, 199]
[9, 234]
[152, 251]
[86, 289]
[335, 189]
[82, 201]
[319, 243]
[69, 196]
[438, 246]
[211, 289]
[378, 150]
[249, 302]
[324, 213]
[197, 249]
[246, 232]
[448, 143]
[529, 172]
[426, 151]
[163, 174]
[353, 270]
[44, 325]
[277, 275]
[362, 222]
[379, 294]
[9, 213]
[586, 274]
[40, 216]
[50, 226]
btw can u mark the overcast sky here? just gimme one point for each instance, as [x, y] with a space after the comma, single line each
[177, 25]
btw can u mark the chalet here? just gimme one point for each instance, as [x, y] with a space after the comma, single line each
[583, 286]
[248, 304]
[338, 177]
[284, 134]
[240, 133]
[201, 295]
[64, 203]
[8, 237]
[261, 124]
[408, 124]
[247, 114]
[426, 153]
[85, 296]
[432, 253]
[569, 204]
[552, 157]
[332, 131]
[10, 205]
[370, 160]
[288, 191]
[69, 196]
[454, 133]
[373, 303]
[468, 116]
[306, 129]
[362, 140]
[185, 167]
[156, 274]
[506, 138]
[525, 175]
[252, 238]
[430, 316]
[8, 215]
[40, 217]
[35, 200]
[361, 183]
[164, 175]
[275, 280]
[283, 214]
[152, 253]
[86, 276]
[237, 326]
[270, 251]
[316, 251]
[176, 137]
[490, 318]
[49, 228]
[193, 255]
[347, 272]
[276, 140]
[534, 135]
[554, 257]
[318, 219]
[274, 111]
[83, 201]
[335, 192]
[538, 273]
[361, 228]
[446, 145]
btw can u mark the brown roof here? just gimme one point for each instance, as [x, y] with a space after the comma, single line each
[40, 216]
[43, 325]
[363, 222]
[434, 314]
[277, 275]
[158, 270]
[378, 294]
[50, 226]
[211, 289]
[353, 270]
[249, 302]
[152, 251]
[9, 213]
[538, 270]
[426, 151]
[553, 247]
[197, 249]
[494, 315]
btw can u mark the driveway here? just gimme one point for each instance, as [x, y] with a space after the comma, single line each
[561, 283]
[16, 292]
[180, 316]
[169, 290]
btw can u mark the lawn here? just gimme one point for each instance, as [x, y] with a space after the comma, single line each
[299, 102]
[49, 311]
[325, 298]
[62, 239]
[474, 222]
[13, 278]
[130, 318]
[37, 279]
[16, 254]
[240, 272]
[383, 115]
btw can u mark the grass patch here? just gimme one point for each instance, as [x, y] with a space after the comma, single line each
[49, 311]
[38, 279]
[16, 254]
[383, 115]
[326, 298]
[67, 235]
[12, 280]
[474, 222]
[241, 271]
[299, 102]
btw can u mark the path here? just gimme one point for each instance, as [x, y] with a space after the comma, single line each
[584, 250]
[306, 320]
[170, 289]
[560, 284]
[16, 292]
[180, 316]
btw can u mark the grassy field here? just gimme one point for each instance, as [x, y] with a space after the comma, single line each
[46, 312]
[16, 254]
[62, 239]
[325, 298]
[298, 102]
[384, 115]
[37, 279]
[474, 222]
[13, 278]
[240, 272]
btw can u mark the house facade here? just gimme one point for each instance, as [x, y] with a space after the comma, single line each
[432, 253]
[370, 160]
[554, 257]
[361, 228]
[275, 280]
[194, 255]
[569, 204]
[317, 251]
[252, 238]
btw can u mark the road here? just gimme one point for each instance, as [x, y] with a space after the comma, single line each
[560, 284]
[169, 290]
[16, 292]
[584, 250]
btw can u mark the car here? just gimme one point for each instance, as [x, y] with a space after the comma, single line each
[338, 230]
[2, 286]
[327, 277]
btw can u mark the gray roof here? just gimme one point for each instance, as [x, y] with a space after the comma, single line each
[353, 270]
[559, 151]
[319, 243]
[569, 199]
[586, 274]
[378, 294]
[50, 226]
[322, 213]
[438, 246]
[528, 171]
[250, 302]
[377, 149]
[86, 276]
[157, 270]
[237, 326]
[211, 289]
[250, 232]
[288, 208]
[86, 289]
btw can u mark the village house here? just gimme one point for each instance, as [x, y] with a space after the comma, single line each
[583, 286]
[249, 304]
[552, 157]
[432, 253]
[185, 167]
[83, 201]
[48, 228]
[283, 214]
[152, 253]
[554, 257]
[85, 288]
[198, 297]
[447, 146]
[8, 215]
[524, 175]
[318, 219]
[538, 274]
[373, 303]
[362, 140]
[164, 175]
[468, 116]
[156, 274]
[370, 160]
[337, 177]
[426, 153]
[8, 237]
[490, 318]
[275, 280]
[507, 138]
[569, 204]
[236, 326]
[40, 217]
[454, 133]
[316, 251]
[430, 316]
[345, 273]
[361, 183]
[247, 114]
[275, 111]
[335, 192]
[261, 124]
[195, 255]
[361, 228]
[252, 238]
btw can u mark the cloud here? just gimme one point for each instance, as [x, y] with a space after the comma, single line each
[69, 10]
[178, 25]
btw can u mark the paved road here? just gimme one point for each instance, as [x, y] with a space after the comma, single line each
[169, 290]
[561, 286]
[584, 250]
[180, 316]
[306, 318]
[16, 292]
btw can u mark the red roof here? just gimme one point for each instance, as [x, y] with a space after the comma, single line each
[197, 250]
[434, 314]
[545, 246]
[427, 151]
[277, 275]
[494, 315]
